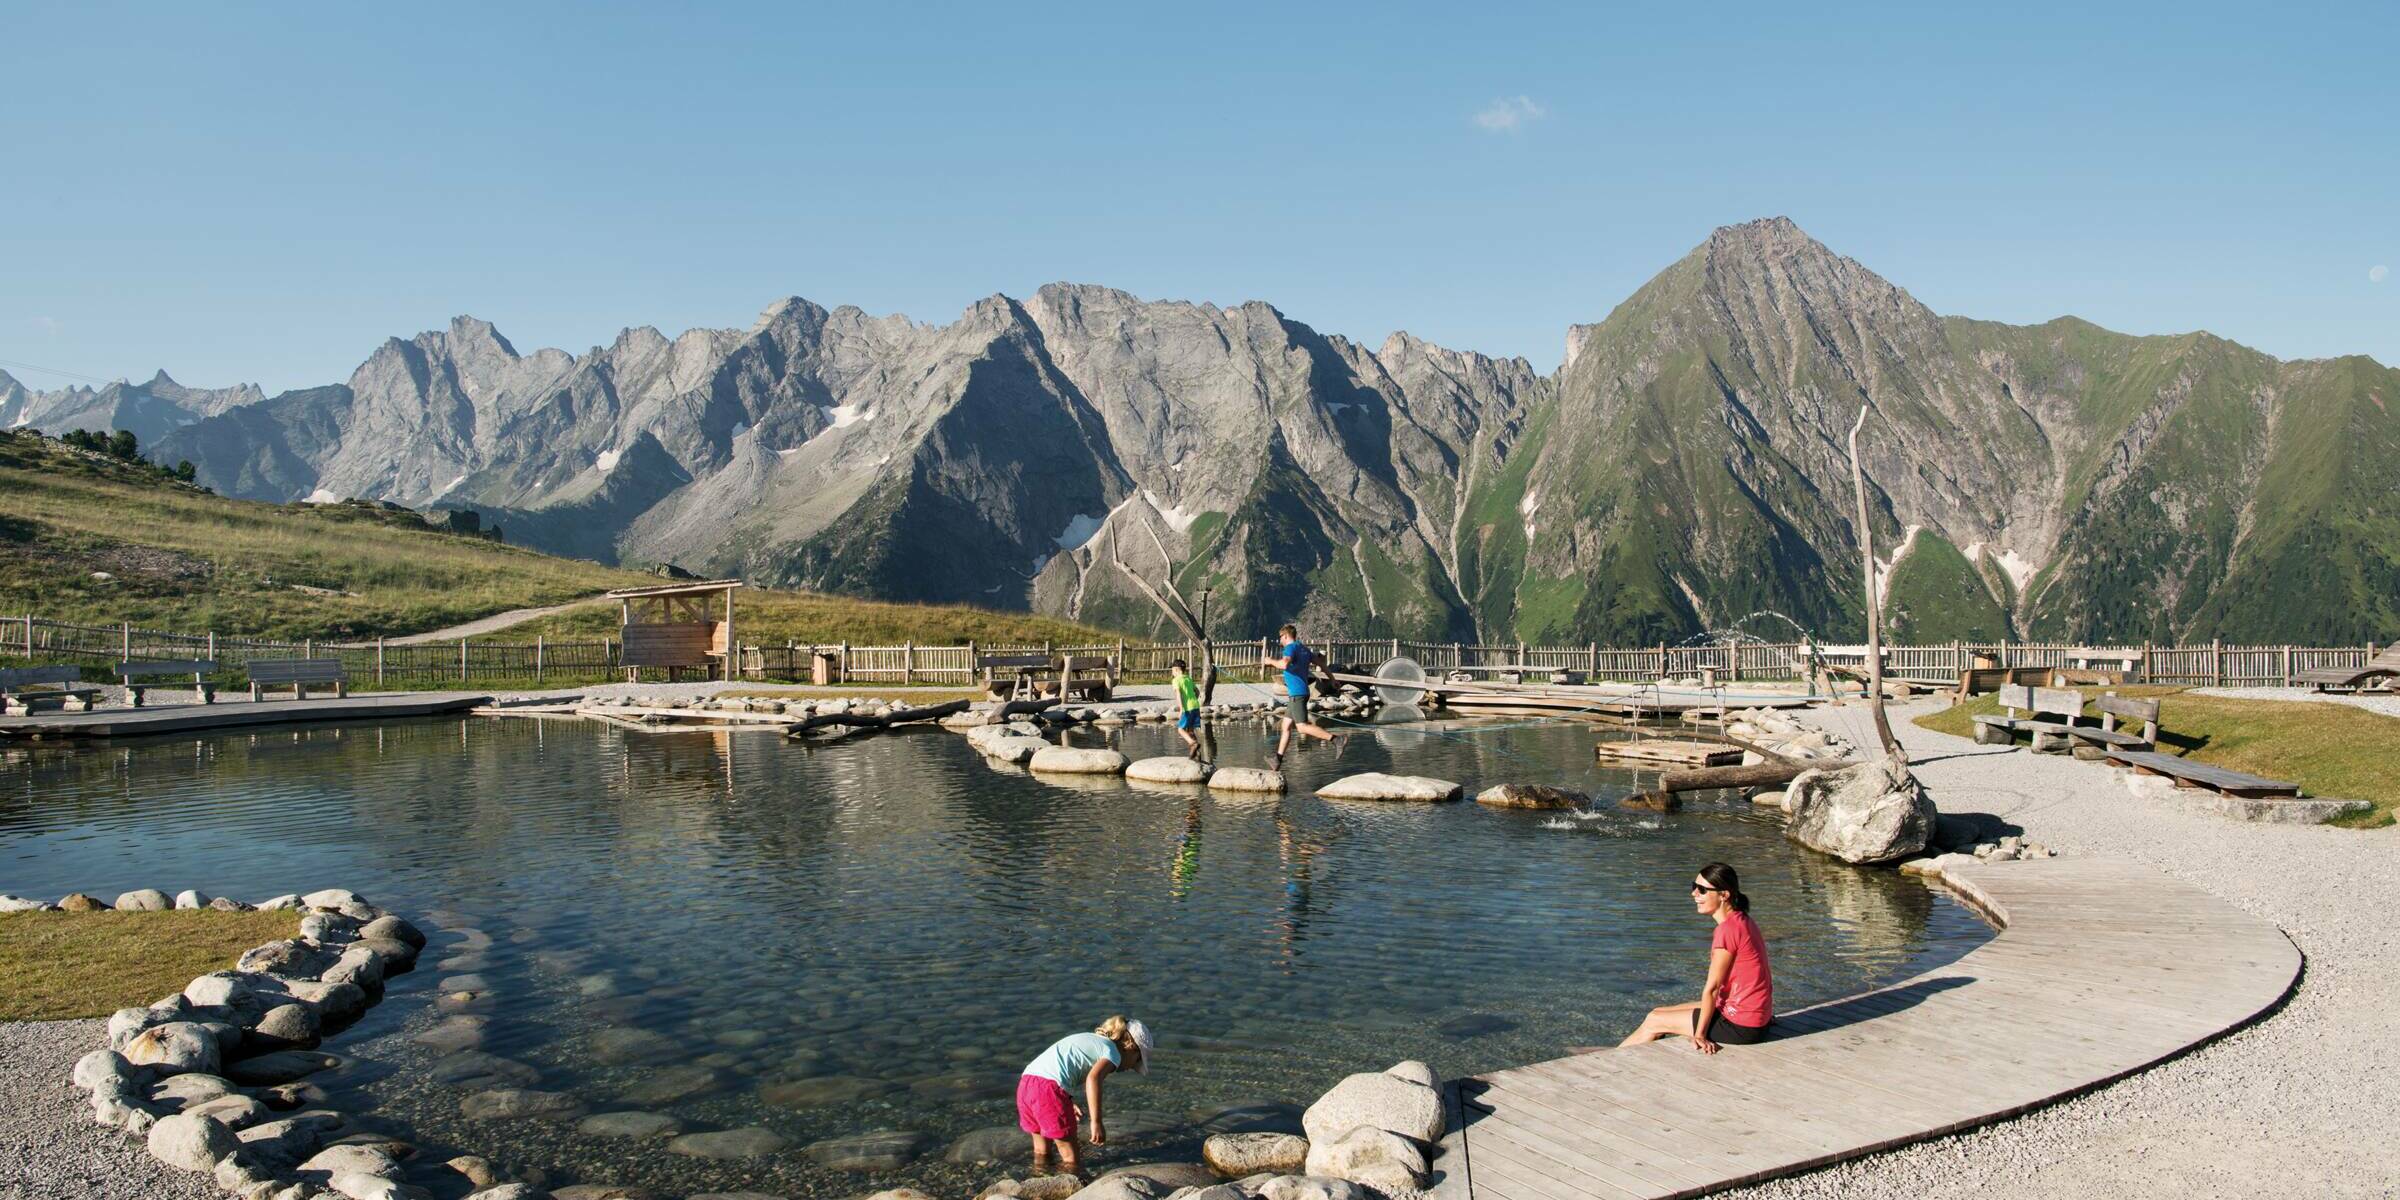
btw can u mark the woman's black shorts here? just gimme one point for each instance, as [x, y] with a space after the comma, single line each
[1726, 1033]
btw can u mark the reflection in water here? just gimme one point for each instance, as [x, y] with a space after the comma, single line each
[735, 929]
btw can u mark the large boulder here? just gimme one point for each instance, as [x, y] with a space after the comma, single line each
[174, 1048]
[1375, 785]
[1069, 760]
[1531, 795]
[287, 1027]
[1245, 779]
[358, 1160]
[79, 902]
[291, 958]
[190, 1142]
[393, 928]
[1311, 1187]
[1871, 812]
[1174, 768]
[1378, 1100]
[144, 900]
[1235, 1155]
[1375, 1158]
[105, 1066]
[1014, 750]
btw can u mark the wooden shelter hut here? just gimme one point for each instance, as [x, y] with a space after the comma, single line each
[671, 626]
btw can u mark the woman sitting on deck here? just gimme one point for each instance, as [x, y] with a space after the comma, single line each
[1737, 1004]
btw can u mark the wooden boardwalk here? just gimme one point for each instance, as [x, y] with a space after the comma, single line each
[2102, 968]
[231, 713]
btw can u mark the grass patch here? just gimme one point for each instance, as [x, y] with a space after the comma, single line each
[58, 966]
[2328, 749]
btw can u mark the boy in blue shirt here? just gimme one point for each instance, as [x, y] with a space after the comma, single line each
[1296, 661]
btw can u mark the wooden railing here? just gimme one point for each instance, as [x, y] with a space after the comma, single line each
[376, 663]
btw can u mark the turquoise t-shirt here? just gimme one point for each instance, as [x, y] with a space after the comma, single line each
[1296, 658]
[1069, 1060]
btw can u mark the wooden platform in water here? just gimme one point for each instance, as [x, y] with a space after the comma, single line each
[229, 713]
[1663, 752]
[2102, 968]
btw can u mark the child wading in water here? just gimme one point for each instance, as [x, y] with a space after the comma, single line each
[1187, 723]
[1075, 1065]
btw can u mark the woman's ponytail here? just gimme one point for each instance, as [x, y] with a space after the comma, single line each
[1722, 877]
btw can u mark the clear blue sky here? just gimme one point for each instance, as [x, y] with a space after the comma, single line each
[264, 194]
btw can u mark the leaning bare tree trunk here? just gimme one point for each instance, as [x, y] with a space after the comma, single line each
[1168, 600]
[1866, 551]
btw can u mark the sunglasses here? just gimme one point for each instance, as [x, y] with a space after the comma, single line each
[1698, 888]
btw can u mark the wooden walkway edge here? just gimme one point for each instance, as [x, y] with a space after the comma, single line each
[2102, 968]
[231, 713]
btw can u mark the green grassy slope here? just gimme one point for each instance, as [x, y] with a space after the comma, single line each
[178, 558]
[1937, 595]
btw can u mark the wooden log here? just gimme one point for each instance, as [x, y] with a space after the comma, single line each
[871, 721]
[1761, 775]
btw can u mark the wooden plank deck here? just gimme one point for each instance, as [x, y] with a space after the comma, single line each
[233, 713]
[1678, 753]
[2187, 773]
[2102, 968]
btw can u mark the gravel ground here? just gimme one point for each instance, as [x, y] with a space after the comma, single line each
[49, 1147]
[2387, 703]
[2297, 1105]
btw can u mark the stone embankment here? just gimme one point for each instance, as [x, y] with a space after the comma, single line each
[217, 1079]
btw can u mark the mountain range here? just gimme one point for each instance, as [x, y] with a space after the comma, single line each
[1684, 470]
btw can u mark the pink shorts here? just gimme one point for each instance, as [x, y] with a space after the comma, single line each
[1044, 1108]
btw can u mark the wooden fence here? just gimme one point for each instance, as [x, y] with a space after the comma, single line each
[378, 663]
[372, 663]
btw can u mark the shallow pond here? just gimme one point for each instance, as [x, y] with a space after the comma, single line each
[876, 934]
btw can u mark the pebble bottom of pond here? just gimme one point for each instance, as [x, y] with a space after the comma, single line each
[875, 934]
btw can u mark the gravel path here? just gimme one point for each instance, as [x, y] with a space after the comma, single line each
[2297, 1105]
[49, 1147]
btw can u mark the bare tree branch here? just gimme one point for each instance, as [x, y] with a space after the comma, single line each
[1866, 549]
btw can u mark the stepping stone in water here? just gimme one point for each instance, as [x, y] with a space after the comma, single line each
[752, 1142]
[883, 1150]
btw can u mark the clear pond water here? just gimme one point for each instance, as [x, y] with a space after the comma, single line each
[875, 934]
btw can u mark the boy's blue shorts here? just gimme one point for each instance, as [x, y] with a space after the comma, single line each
[1189, 720]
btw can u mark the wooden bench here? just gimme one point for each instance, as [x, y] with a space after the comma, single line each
[2189, 774]
[31, 689]
[1032, 676]
[1025, 674]
[297, 674]
[131, 672]
[2067, 705]
[2383, 666]
[1975, 681]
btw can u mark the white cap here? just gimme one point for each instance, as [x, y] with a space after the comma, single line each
[1140, 1034]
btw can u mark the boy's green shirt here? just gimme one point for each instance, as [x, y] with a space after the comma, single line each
[1188, 690]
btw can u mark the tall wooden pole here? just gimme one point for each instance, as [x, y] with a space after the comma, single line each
[1866, 553]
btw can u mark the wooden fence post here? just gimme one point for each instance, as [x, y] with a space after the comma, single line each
[908, 662]
[308, 647]
[29, 637]
[125, 633]
[2216, 662]
[1958, 659]
[539, 644]
[1662, 660]
[2147, 675]
[462, 660]
[841, 666]
[1591, 662]
[1395, 650]
[2287, 666]
[212, 645]
[969, 680]
[379, 660]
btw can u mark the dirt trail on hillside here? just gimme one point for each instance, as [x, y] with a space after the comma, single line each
[491, 624]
